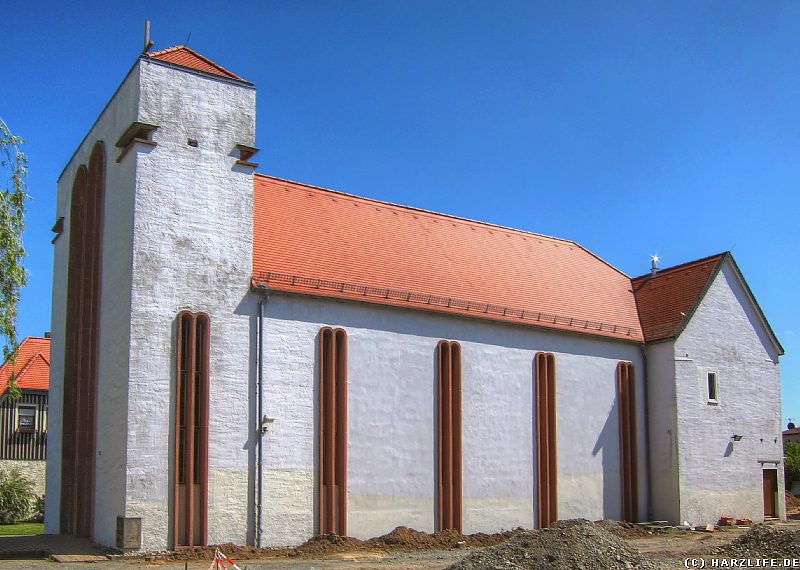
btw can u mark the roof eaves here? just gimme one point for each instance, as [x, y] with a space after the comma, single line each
[433, 303]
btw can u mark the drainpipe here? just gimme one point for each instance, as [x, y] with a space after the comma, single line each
[260, 427]
[642, 348]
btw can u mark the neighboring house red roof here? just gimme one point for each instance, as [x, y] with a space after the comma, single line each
[322, 242]
[32, 367]
[793, 431]
[667, 299]
[182, 55]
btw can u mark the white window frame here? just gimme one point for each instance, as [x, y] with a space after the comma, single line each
[708, 376]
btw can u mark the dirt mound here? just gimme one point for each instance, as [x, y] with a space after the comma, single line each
[566, 545]
[232, 550]
[401, 538]
[623, 529]
[404, 538]
[763, 541]
[328, 543]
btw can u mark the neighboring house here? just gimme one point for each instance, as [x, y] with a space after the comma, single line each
[238, 357]
[23, 421]
[791, 433]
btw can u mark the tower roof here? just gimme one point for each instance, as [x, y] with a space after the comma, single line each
[187, 57]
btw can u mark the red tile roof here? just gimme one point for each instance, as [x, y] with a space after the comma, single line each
[182, 55]
[793, 431]
[667, 299]
[322, 242]
[32, 367]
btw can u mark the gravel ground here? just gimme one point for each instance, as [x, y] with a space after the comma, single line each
[568, 544]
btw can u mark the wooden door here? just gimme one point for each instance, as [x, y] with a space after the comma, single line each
[770, 492]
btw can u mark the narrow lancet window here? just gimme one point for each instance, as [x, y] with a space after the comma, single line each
[190, 526]
[546, 457]
[448, 439]
[626, 400]
[332, 484]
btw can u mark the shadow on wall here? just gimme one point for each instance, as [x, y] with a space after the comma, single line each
[608, 446]
[728, 450]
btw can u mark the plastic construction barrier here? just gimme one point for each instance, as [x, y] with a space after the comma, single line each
[222, 562]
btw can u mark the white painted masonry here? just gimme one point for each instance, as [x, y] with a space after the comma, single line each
[391, 414]
[717, 476]
[192, 249]
[664, 434]
[168, 244]
[115, 282]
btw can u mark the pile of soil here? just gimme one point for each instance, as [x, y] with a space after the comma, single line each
[565, 545]
[401, 538]
[328, 543]
[763, 541]
[207, 552]
[404, 538]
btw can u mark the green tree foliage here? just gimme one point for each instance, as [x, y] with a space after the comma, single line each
[791, 465]
[16, 497]
[13, 172]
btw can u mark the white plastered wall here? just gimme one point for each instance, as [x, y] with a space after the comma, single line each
[391, 419]
[192, 250]
[115, 282]
[663, 432]
[718, 476]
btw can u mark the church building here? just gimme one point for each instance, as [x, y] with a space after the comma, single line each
[242, 358]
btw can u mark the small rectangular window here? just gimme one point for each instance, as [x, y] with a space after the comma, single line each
[713, 395]
[26, 419]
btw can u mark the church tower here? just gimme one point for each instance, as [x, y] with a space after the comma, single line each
[153, 258]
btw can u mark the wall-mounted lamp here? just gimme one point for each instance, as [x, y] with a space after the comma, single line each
[736, 437]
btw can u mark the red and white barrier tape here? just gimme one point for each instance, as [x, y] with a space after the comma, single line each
[222, 562]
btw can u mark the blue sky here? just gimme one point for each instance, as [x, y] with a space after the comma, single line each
[631, 127]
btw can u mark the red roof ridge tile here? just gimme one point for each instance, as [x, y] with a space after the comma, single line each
[667, 271]
[435, 214]
[29, 363]
[431, 213]
[215, 67]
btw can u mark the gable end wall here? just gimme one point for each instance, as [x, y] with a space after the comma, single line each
[718, 476]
